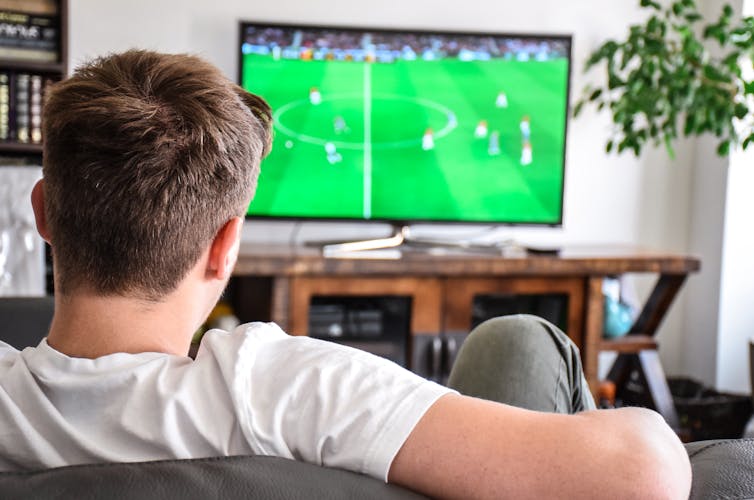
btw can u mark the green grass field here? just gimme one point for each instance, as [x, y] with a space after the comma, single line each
[383, 172]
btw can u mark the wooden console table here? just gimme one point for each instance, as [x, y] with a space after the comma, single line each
[277, 283]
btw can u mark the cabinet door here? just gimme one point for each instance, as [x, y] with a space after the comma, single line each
[425, 293]
[460, 294]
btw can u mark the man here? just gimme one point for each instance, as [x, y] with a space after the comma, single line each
[150, 163]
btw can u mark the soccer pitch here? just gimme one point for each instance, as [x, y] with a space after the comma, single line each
[359, 148]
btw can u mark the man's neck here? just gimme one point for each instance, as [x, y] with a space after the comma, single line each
[90, 325]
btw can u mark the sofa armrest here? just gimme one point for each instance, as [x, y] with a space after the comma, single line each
[263, 477]
[722, 468]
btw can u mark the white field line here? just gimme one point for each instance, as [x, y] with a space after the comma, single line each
[367, 141]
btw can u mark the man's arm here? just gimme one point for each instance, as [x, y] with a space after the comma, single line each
[470, 448]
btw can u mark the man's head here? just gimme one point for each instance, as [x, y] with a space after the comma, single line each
[146, 157]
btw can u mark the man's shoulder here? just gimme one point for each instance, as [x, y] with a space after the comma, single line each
[8, 354]
[245, 334]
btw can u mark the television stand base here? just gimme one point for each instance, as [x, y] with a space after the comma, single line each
[396, 240]
[402, 240]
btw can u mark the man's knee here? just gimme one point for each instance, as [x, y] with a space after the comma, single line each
[522, 360]
[523, 333]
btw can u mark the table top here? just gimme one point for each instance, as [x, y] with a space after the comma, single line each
[598, 260]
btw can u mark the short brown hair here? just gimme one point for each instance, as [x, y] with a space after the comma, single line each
[146, 156]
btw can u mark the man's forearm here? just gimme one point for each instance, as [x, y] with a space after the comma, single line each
[470, 448]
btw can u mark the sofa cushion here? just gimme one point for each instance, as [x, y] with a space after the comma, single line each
[223, 477]
[722, 468]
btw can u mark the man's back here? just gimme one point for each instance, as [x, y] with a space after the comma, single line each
[253, 391]
[121, 407]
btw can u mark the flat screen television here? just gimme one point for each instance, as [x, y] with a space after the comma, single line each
[410, 126]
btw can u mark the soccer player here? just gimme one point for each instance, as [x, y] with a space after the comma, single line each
[314, 96]
[525, 127]
[332, 153]
[340, 126]
[526, 154]
[493, 148]
[428, 140]
[480, 132]
[501, 101]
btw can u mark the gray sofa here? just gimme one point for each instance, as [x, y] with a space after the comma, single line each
[722, 469]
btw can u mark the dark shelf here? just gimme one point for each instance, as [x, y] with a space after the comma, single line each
[20, 148]
[35, 66]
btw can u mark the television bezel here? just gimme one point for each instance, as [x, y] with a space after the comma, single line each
[242, 24]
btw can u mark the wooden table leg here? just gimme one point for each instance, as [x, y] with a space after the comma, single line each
[657, 304]
[593, 327]
[648, 361]
[281, 302]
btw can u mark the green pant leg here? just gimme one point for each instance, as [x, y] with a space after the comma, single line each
[523, 361]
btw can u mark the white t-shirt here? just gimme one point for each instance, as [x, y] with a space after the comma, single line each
[256, 390]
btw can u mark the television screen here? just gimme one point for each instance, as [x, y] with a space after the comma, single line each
[410, 126]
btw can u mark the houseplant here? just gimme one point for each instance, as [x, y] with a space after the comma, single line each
[676, 75]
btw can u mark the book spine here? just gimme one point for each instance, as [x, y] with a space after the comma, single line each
[22, 107]
[35, 109]
[4, 106]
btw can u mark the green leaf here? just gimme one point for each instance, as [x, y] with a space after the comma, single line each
[711, 31]
[749, 87]
[728, 10]
[747, 141]
[723, 148]
[595, 95]
[740, 110]
[609, 146]
[650, 3]
[715, 74]
[577, 108]
[731, 60]
[669, 146]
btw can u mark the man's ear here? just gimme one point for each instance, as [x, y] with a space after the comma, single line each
[38, 205]
[224, 250]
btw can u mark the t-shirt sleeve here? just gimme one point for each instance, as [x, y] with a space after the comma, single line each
[325, 403]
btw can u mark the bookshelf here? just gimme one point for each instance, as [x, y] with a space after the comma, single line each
[33, 55]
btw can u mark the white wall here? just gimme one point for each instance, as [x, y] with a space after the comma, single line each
[608, 199]
[736, 324]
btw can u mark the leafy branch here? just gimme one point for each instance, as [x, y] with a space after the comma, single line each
[662, 81]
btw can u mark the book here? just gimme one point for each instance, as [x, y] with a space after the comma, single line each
[27, 36]
[4, 106]
[35, 109]
[21, 110]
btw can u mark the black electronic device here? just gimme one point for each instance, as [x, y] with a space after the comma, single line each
[377, 324]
